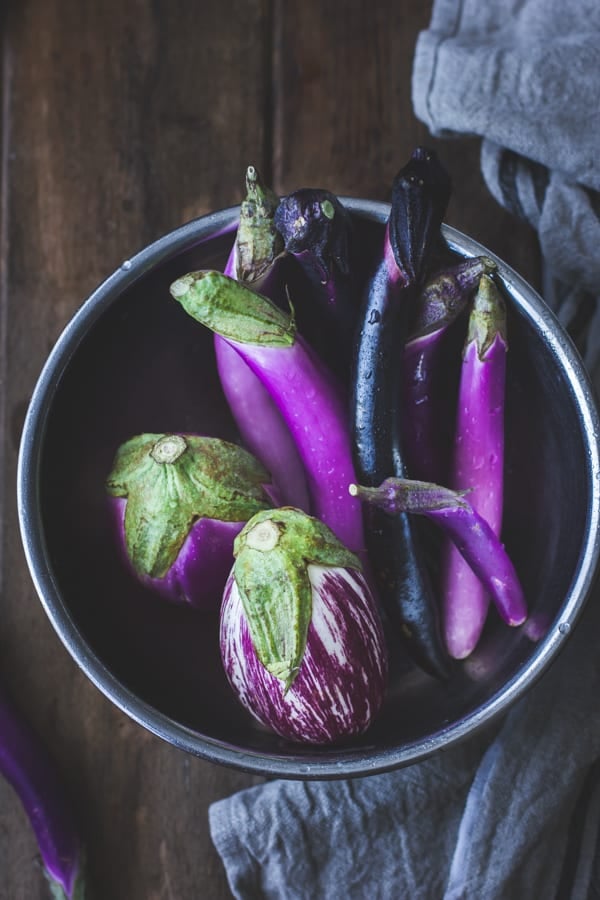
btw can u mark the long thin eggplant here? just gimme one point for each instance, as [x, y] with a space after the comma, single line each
[255, 259]
[474, 539]
[307, 396]
[317, 231]
[427, 368]
[27, 766]
[478, 463]
[420, 194]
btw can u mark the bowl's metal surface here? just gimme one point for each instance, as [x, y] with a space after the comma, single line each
[498, 677]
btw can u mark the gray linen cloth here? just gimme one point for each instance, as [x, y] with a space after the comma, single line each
[514, 812]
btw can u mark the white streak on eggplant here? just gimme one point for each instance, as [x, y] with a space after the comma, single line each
[341, 681]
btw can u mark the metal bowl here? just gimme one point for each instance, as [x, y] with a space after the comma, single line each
[129, 361]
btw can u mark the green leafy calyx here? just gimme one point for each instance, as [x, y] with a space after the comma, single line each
[487, 319]
[172, 480]
[272, 554]
[257, 243]
[233, 310]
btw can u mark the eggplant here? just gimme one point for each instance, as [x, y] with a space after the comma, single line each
[428, 369]
[255, 259]
[301, 639]
[317, 231]
[478, 461]
[28, 768]
[178, 502]
[309, 399]
[419, 197]
[469, 532]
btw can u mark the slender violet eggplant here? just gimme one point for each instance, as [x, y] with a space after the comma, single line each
[478, 461]
[255, 260]
[307, 396]
[420, 194]
[425, 368]
[301, 639]
[179, 501]
[317, 231]
[474, 539]
[26, 765]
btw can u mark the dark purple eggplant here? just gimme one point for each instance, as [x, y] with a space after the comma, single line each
[317, 231]
[420, 194]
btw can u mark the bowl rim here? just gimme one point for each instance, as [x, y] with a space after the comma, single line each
[352, 762]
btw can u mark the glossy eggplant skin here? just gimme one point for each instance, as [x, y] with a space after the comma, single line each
[478, 461]
[319, 238]
[341, 682]
[471, 534]
[419, 196]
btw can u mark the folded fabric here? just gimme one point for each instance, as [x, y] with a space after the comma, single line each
[513, 813]
[490, 818]
[521, 73]
[525, 76]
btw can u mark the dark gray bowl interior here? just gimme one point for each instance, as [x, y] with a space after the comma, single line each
[132, 361]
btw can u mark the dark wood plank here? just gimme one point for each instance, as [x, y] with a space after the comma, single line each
[344, 118]
[124, 120]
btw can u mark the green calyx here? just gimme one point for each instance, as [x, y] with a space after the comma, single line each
[328, 209]
[487, 319]
[258, 243]
[233, 310]
[272, 554]
[170, 481]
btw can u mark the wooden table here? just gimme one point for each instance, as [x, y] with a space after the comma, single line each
[120, 121]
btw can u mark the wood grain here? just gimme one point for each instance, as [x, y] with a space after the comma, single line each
[344, 121]
[121, 120]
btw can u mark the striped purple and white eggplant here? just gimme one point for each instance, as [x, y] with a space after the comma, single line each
[178, 503]
[301, 638]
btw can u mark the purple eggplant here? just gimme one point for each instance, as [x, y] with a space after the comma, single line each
[26, 765]
[254, 259]
[425, 368]
[317, 231]
[179, 501]
[478, 461]
[309, 400]
[470, 534]
[301, 639]
[419, 196]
